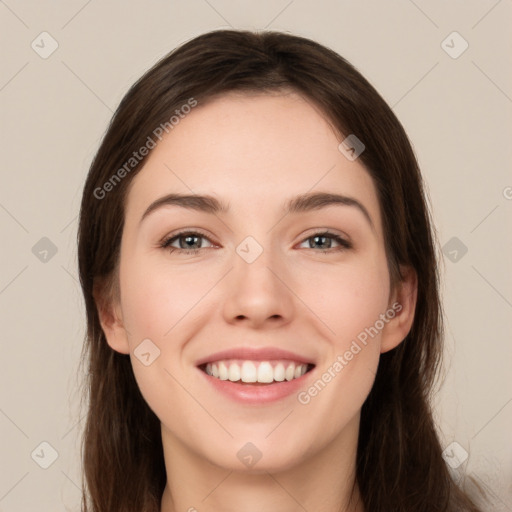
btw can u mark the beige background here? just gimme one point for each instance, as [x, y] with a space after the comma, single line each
[54, 111]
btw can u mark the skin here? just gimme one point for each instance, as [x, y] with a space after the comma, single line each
[255, 152]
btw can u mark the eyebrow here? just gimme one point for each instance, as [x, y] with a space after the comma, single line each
[299, 204]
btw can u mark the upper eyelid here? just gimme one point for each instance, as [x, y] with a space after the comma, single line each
[171, 239]
[194, 231]
[329, 233]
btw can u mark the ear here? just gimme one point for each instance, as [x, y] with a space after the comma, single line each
[111, 318]
[403, 304]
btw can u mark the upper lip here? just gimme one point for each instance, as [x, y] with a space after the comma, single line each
[254, 354]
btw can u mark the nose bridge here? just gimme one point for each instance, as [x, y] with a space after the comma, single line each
[256, 292]
[252, 265]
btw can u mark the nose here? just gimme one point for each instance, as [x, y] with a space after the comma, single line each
[258, 294]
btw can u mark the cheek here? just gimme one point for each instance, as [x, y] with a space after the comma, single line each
[159, 309]
[164, 306]
[347, 298]
[350, 302]
[156, 299]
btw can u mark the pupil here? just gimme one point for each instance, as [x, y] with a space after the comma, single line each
[319, 237]
[189, 241]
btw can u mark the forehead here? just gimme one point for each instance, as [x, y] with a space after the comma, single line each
[250, 149]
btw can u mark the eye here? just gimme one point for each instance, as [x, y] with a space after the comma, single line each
[191, 242]
[188, 242]
[324, 241]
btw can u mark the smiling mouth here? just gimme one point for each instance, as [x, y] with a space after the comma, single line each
[256, 372]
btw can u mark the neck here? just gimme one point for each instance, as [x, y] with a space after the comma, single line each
[323, 482]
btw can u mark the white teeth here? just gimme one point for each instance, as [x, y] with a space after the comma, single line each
[279, 372]
[290, 372]
[234, 372]
[264, 372]
[223, 371]
[248, 373]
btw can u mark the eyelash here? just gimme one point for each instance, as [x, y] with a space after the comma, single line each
[166, 243]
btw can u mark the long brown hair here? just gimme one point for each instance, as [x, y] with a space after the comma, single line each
[399, 459]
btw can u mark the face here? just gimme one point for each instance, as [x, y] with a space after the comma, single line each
[255, 313]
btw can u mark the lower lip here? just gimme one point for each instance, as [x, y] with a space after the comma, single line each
[258, 393]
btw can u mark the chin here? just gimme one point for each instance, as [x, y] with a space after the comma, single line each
[259, 454]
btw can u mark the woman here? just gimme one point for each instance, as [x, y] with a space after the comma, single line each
[259, 272]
